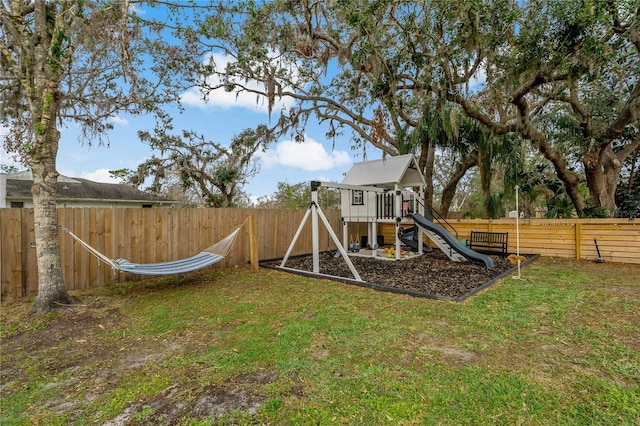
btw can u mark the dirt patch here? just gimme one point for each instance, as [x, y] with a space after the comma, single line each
[90, 348]
[457, 355]
[432, 275]
[64, 341]
[450, 353]
[77, 325]
[198, 402]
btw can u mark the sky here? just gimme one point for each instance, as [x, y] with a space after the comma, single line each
[218, 119]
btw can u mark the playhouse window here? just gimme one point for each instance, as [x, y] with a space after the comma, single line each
[357, 197]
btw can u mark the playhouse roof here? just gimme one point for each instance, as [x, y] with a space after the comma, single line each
[401, 169]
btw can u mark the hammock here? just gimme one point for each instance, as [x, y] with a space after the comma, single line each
[207, 257]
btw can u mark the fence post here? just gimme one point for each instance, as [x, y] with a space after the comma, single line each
[578, 240]
[253, 243]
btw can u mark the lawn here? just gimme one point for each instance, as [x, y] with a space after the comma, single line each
[559, 346]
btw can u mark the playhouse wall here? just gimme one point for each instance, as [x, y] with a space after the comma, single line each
[365, 212]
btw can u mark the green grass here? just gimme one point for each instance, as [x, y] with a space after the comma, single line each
[559, 346]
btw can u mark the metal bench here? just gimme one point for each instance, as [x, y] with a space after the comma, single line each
[489, 241]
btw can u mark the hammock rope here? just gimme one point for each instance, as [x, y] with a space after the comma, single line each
[96, 253]
[207, 257]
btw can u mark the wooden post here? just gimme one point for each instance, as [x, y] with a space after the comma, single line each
[398, 216]
[315, 244]
[578, 237]
[253, 243]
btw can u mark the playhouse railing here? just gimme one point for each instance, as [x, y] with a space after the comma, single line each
[386, 208]
[385, 205]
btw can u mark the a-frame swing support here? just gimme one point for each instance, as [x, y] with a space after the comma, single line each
[316, 212]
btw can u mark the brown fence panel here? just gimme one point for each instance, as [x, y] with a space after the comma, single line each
[159, 235]
[547, 239]
[618, 242]
[11, 246]
[142, 236]
[618, 239]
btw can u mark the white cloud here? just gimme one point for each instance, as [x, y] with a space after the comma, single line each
[479, 79]
[99, 175]
[226, 100]
[308, 155]
[137, 9]
[119, 120]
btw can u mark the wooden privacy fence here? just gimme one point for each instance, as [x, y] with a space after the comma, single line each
[618, 239]
[159, 235]
[142, 236]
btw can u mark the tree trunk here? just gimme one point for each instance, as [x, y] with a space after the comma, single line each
[449, 190]
[602, 170]
[484, 167]
[425, 163]
[632, 172]
[569, 178]
[44, 105]
[526, 207]
[51, 289]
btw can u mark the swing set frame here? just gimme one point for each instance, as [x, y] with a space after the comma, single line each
[315, 212]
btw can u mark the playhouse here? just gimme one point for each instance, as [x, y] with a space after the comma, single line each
[385, 191]
[381, 191]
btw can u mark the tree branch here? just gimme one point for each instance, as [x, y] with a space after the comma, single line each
[630, 113]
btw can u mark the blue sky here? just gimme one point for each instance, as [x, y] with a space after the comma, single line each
[219, 119]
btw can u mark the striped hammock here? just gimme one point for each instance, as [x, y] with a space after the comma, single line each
[207, 257]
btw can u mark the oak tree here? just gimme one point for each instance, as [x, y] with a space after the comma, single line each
[374, 68]
[210, 171]
[73, 61]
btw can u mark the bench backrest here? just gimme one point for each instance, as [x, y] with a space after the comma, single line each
[489, 237]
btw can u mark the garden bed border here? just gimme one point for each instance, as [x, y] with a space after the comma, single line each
[386, 288]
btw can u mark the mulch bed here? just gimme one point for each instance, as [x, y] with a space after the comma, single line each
[432, 275]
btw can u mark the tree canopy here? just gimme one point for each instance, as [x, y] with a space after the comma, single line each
[561, 75]
[82, 62]
[209, 171]
[298, 196]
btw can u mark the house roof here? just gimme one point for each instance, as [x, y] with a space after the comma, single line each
[18, 187]
[387, 172]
